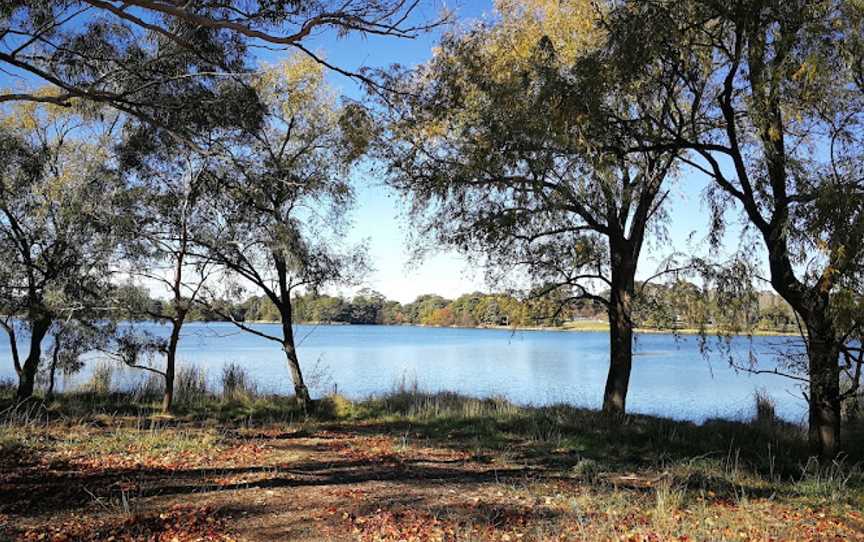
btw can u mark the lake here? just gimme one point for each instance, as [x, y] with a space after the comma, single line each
[670, 376]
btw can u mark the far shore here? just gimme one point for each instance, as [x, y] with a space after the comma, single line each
[578, 326]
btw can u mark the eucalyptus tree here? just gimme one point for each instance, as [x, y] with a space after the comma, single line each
[58, 227]
[284, 193]
[165, 62]
[174, 199]
[769, 106]
[504, 147]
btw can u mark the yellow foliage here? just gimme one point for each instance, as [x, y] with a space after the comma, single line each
[570, 25]
[508, 48]
[74, 151]
[30, 115]
[774, 133]
[293, 85]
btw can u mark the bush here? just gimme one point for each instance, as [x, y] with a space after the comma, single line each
[766, 413]
[336, 406]
[236, 384]
[853, 409]
[101, 379]
[149, 388]
[7, 388]
[190, 387]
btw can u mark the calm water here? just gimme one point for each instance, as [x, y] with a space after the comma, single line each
[670, 377]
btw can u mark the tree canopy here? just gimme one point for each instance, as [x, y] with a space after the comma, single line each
[60, 218]
[504, 142]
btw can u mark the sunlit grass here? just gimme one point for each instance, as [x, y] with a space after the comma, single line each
[153, 442]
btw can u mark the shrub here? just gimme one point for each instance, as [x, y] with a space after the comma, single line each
[190, 387]
[149, 388]
[587, 469]
[336, 406]
[101, 379]
[7, 388]
[236, 384]
[766, 413]
[853, 409]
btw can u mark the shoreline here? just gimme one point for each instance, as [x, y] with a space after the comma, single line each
[580, 326]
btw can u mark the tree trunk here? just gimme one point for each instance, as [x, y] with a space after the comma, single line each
[180, 307]
[286, 314]
[13, 346]
[27, 378]
[170, 364]
[300, 389]
[823, 347]
[55, 356]
[825, 403]
[620, 351]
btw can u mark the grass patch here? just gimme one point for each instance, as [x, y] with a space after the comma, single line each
[560, 434]
[147, 443]
[12, 441]
[586, 325]
[422, 465]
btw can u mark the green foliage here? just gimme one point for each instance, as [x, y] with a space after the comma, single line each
[62, 212]
[336, 406]
[677, 305]
[773, 90]
[712, 307]
[283, 192]
[469, 310]
[173, 70]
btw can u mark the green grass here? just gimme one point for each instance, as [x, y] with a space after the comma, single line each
[586, 325]
[12, 441]
[149, 443]
[564, 434]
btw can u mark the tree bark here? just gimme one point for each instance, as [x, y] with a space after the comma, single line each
[13, 346]
[27, 378]
[300, 389]
[812, 302]
[823, 347]
[180, 307]
[55, 357]
[286, 314]
[825, 397]
[620, 349]
[170, 364]
[620, 365]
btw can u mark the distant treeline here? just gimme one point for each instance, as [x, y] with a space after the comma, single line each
[680, 305]
[470, 310]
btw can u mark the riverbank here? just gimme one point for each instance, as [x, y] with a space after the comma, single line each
[408, 466]
[603, 326]
[590, 326]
